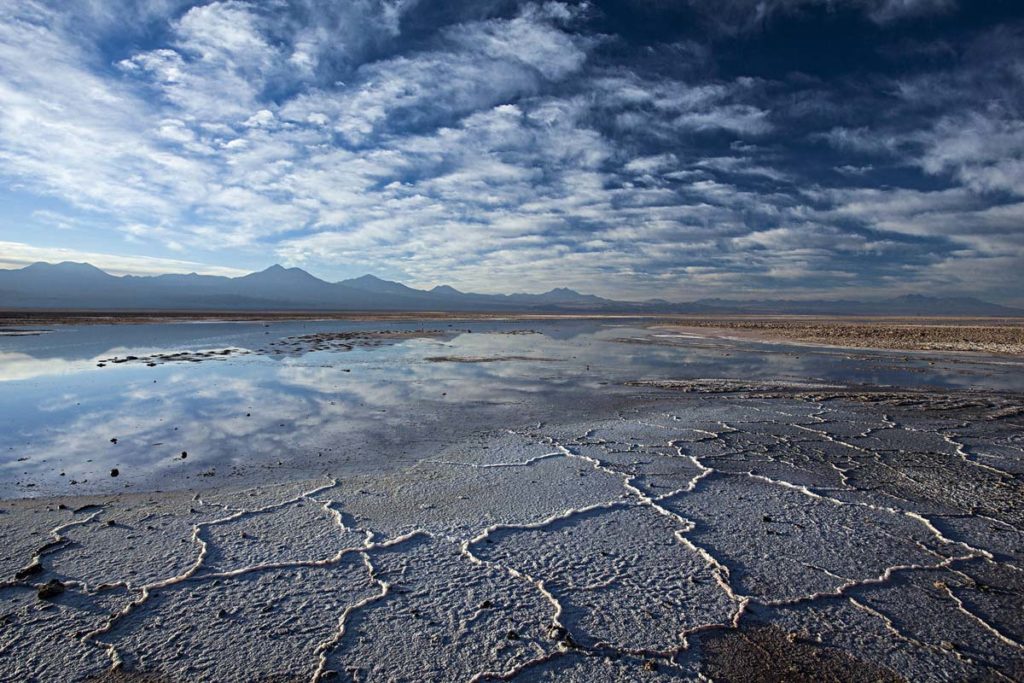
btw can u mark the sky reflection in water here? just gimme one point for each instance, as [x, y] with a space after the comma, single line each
[262, 417]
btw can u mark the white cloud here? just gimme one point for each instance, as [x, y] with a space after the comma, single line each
[18, 255]
[985, 152]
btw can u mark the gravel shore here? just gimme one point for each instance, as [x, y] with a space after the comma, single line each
[1003, 336]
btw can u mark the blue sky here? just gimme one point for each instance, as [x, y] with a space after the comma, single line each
[638, 148]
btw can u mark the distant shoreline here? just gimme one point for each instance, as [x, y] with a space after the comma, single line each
[13, 316]
[59, 317]
[1003, 336]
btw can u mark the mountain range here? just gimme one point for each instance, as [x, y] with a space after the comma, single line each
[81, 286]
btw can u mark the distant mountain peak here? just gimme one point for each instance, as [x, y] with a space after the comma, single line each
[374, 284]
[67, 266]
[279, 272]
[368, 278]
[66, 269]
[278, 268]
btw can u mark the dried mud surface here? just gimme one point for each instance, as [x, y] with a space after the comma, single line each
[716, 530]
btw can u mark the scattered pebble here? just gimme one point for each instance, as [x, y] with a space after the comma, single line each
[50, 589]
[33, 569]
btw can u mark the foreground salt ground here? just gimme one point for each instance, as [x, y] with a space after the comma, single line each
[817, 533]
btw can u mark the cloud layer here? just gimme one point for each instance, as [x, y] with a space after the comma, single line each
[629, 149]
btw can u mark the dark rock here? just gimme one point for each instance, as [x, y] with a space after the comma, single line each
[31, 570]
[50, 589]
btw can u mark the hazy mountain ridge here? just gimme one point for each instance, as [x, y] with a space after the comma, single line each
[83, 286]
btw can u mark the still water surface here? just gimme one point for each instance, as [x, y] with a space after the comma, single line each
[272, 415]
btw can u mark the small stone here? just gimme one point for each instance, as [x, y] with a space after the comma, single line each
[114, 472]
[50, 590]
[31, 570]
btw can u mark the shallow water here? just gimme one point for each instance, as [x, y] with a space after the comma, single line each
[277, 413]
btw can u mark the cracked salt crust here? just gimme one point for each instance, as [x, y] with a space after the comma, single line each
[885, 535]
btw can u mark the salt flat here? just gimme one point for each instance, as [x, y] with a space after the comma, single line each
[705, 509]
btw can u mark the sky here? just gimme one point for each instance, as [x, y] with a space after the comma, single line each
[676, 149]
